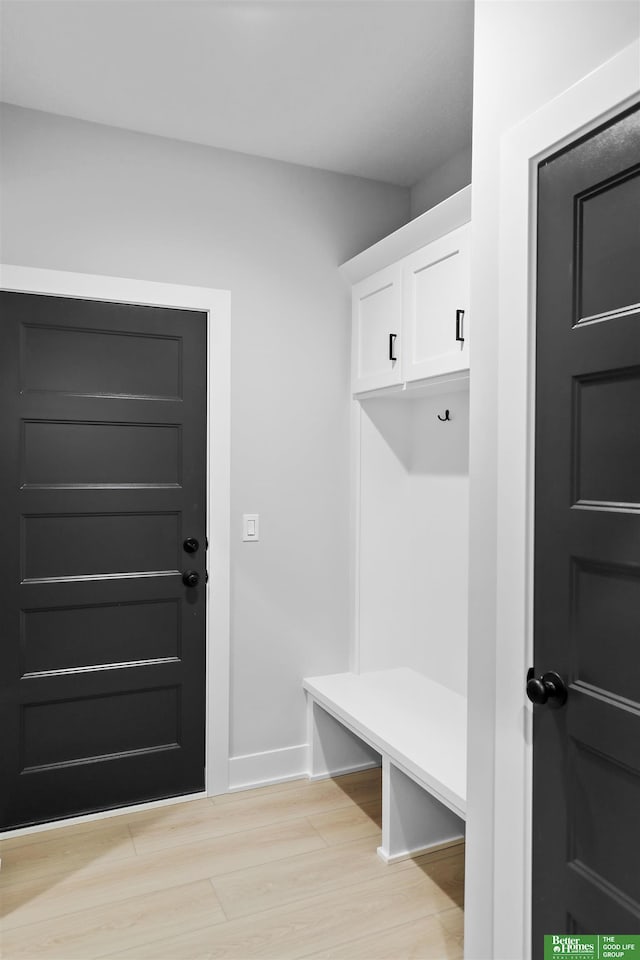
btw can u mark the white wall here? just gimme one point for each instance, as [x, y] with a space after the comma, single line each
[526, 53]
[414, 536]
[89, 198]
[440, 183]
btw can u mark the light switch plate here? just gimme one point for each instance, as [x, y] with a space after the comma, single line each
[250, 527]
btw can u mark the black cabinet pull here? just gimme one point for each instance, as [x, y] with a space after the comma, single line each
[392, 346]
[459, 325]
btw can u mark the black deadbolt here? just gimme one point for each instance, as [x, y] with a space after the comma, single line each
[190, 545]
[191, 578]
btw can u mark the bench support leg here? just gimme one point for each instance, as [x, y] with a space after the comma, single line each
[413, 821]
[334, 750]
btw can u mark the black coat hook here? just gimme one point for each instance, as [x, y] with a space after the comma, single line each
[445, 418]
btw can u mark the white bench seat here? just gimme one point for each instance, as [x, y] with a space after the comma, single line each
[418, 727]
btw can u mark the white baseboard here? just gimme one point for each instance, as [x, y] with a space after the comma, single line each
[278, 766]
[419, 852]
[343, 771]
[272, 766]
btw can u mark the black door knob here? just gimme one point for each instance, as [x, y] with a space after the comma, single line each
[190, 545]
[549, 688]
[191, 578]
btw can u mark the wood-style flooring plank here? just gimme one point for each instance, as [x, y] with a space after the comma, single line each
[64, 854]
[365, 779]
[108, 928]
[264, 887]
[350, 823]
[59, 832]
[293, 873]
[92, 885]
[296, 878]
[193, 822]
[314, 924]
[427, 938]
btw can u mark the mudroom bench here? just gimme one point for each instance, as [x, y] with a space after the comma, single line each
[418, 728]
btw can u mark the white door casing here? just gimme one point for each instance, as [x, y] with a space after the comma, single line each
[216, 303]
[599, 96]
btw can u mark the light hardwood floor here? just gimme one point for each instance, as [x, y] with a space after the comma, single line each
[280, 872]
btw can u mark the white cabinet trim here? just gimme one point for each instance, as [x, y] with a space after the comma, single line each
[453, 212]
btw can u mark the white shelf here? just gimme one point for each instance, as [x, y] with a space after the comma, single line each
[420, 725]
[414, 390]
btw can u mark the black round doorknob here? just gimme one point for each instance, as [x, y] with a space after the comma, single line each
[191, 578]
[190, 545]
[549, 688]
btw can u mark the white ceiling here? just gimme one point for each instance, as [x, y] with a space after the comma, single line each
[376, 89]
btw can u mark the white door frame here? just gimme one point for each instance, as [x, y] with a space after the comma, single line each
[601, 94]
[216, 304]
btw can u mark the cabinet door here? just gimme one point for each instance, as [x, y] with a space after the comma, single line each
[377, 319]
[436, 289]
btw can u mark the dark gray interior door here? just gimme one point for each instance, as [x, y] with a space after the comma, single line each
[102, 479]
[586, 815]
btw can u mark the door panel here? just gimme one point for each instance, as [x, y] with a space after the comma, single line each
[59, 358]
[607, 461]
[604, 281]
[82, 545]
[606, 603]
[55, 639]
[98, 727]
[586, 829]
[63, 453]
[103, 646]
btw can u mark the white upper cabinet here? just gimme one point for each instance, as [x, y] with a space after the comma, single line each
[435, 331]
[377, 322]
[411, 302]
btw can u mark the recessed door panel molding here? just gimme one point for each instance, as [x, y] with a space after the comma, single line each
[88, 454]
[98, 728]
[100, 635]
[96, 363]
[604, 287]
[56, 546]
[607, 439]
[606, 603]
[599, 839]
[589, 895]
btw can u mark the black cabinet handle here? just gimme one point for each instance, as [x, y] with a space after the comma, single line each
[459, 325]
[392, 346]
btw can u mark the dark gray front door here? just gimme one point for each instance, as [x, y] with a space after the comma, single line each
[586, 816]
[102, 479]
